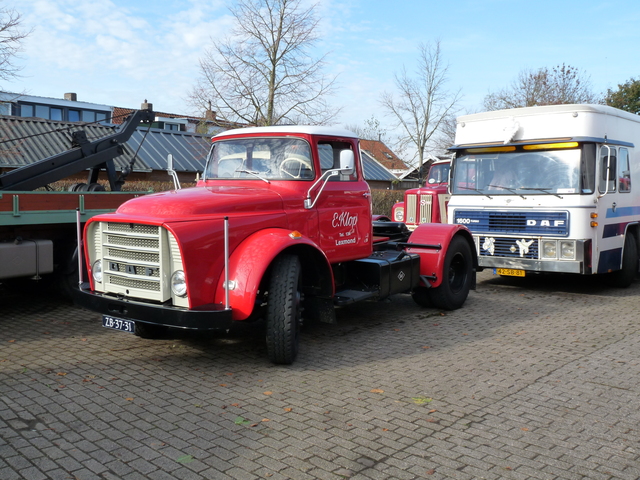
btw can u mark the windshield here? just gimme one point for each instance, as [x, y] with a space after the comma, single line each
[260, 159]
[521, 172]
[438, 173]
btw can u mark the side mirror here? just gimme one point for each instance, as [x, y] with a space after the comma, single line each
[347, 162]
[172, 172]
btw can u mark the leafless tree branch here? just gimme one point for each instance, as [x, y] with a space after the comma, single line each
[263, 73]
[422, 102]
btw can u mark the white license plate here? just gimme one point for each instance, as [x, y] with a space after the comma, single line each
[118, 324]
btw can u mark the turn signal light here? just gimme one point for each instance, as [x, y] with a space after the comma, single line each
[295, 234]
[594, 224]
[594, 215]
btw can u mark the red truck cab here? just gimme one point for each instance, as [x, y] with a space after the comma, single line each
[279, 228]
[426, 204]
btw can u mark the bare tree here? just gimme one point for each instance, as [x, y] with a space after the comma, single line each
[561, 84]
[264, 74]
[11, 37]
[372, 130]
[422, 103]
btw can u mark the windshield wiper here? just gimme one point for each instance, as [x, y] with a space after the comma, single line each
[544, 190]
[255, 174]
[508, 190]
[476, 190]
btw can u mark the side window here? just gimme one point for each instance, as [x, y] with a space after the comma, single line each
[330, 158]
[624, 172]
[607, 169]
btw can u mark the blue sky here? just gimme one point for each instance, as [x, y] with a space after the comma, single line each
[118, 52]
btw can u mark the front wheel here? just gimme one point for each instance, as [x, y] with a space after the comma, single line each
[284, 310]
[456, 277]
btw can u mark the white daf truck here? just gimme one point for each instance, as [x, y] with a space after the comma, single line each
[550, 189]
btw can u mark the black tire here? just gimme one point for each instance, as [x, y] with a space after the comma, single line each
[456, 277]
[627, 274]
[284, 310]
[147, 330]
[420, 295]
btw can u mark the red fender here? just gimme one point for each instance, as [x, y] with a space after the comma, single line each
[249, 262]
[432, 259]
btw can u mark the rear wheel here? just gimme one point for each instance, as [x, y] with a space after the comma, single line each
[627, 274]
[456, 276]
[284, 310]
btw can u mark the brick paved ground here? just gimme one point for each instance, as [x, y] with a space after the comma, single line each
[535, 379]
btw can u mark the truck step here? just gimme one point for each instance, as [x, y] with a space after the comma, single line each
[346, 297]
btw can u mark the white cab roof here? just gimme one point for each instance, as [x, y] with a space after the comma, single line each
[284, 129]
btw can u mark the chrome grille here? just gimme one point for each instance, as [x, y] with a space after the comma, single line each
[133, 228]
[410, 215]
[425, 208]
[134, 262]
[509, 247]
[132, 241]
[132, 283]
[118, 253]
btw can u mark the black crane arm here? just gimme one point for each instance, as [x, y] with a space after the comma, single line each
[86, 154]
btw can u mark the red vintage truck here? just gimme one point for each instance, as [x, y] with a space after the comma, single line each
[279, 228]
[426, 204]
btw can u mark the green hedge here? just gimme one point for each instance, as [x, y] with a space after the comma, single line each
[383, 200]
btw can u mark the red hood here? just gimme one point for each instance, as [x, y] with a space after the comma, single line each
[217, 200]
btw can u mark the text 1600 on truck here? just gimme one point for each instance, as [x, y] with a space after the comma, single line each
[278, 229]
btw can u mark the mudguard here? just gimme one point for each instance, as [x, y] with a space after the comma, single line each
[432, 259]
[249, 262]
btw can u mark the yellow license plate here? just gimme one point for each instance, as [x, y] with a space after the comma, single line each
[510, 272]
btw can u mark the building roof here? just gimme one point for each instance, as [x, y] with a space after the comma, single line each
[383, 154]
[120, 114]
[374, 170]
[19, 97]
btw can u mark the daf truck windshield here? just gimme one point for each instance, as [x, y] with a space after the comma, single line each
[525, 172]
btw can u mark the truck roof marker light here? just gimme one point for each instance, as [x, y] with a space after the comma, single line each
[490, 149]
[594, 224]
[594, 215]
[295, 234]
[548, 146]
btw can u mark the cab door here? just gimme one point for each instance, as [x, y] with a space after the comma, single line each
[343, 206]
[614, 188]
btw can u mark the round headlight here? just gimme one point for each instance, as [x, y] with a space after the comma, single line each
[178, 283]
[398, 215]
[96, 269]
